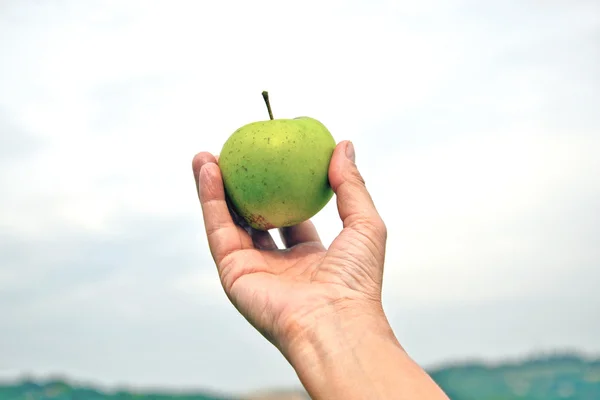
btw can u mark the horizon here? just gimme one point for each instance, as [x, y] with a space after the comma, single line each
[148, 389]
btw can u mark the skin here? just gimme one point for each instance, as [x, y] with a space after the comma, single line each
[321, 307]
[276, 172]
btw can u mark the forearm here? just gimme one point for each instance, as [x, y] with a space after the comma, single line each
[358, 358]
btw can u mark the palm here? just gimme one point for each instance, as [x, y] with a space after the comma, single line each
[273, 288]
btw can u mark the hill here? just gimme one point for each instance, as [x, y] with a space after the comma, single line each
[59, 390]
[543, 378]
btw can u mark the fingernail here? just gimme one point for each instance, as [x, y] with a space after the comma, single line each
[350, 151]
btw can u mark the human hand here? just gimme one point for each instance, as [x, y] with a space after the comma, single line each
[321, 307]
[283, 293]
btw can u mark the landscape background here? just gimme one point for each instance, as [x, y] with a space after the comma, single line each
[476, 127]
[549, 377]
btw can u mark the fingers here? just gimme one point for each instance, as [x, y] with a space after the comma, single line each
[355, 205]
[262, 240]
[224, 237]
[302, 233]
[199, 160]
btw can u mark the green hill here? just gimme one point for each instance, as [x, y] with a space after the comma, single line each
[564, 377]
[58, 390]
[544, 378]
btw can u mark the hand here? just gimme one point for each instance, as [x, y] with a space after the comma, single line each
[283, 293]
[321, 307]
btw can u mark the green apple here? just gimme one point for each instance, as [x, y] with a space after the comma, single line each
[275, 172]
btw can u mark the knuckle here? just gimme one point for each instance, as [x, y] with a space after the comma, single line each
[381, 227]
[356, 178]
[374, 227]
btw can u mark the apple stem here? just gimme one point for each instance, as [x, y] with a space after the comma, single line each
[265, 95]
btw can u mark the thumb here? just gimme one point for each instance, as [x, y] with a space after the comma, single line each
[355, 205]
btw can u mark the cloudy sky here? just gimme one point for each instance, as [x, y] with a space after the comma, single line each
[476, 126]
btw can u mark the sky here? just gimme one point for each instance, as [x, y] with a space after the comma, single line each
[476, 127]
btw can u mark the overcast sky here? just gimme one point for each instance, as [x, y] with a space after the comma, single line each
[476, 126]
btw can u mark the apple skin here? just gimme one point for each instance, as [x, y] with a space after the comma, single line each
[275, 172]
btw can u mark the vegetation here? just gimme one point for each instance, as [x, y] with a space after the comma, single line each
[59, 390]
[543, 378]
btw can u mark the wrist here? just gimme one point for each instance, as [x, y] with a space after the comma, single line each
[342, 323]
[340, 354]
[352, 353]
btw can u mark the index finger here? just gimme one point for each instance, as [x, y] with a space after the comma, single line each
[224, 236]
